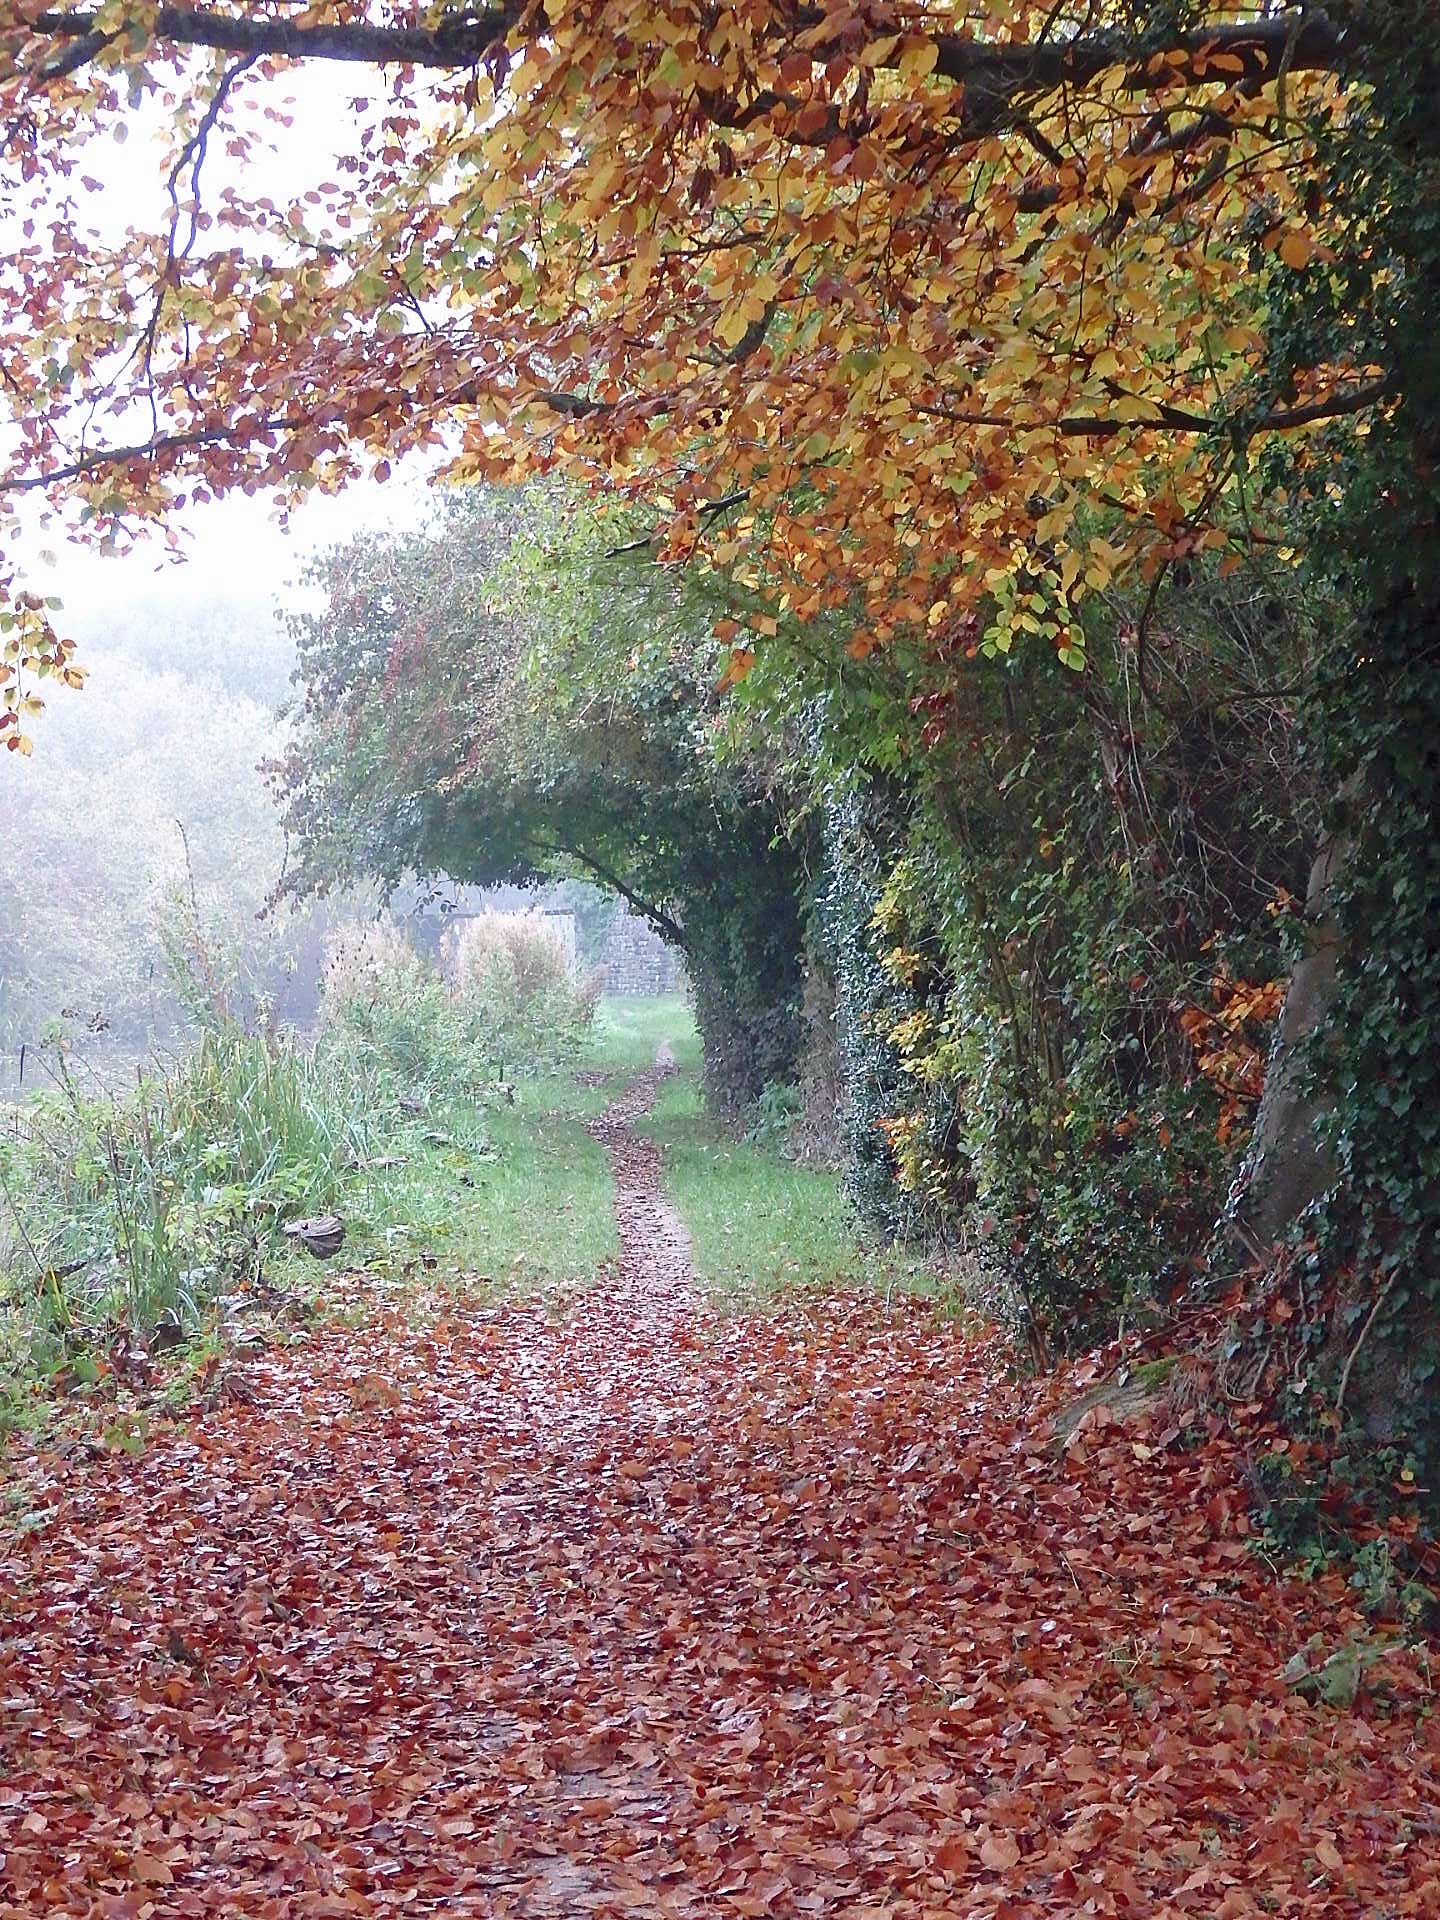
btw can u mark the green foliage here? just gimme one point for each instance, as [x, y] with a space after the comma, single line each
[1379, 1225]
[387, 1008]
[1364, 501]
[859, 845]
[513, 979]
[1055, 915]
[1316, 1511]
[119, 1212]
[504, 1003]
[773, 1117]
[498, 700]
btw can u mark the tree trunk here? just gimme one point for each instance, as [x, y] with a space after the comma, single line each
[1346, 1149]
[1289, 1165]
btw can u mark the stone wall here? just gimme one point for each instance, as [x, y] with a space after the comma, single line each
[636, 960]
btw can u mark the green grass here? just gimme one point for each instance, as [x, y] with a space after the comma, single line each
[501, 1196]
[515, 1196]
[628, 1032]
[760, 1225]
[491, 1197]
[120, 1212]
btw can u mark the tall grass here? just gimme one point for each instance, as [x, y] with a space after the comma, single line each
[120, 1212]
[386, 1009]
[512, 976]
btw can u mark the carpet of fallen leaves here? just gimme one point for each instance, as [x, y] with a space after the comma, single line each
[645, 1610]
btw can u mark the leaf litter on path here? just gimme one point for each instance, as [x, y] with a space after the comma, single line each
[654, 1611]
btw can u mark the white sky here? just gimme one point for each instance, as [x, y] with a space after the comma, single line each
[234, 550]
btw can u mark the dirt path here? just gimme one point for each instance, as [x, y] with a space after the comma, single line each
[654, 1279]
[649, 1611]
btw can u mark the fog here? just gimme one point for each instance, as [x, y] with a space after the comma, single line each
[139, 842]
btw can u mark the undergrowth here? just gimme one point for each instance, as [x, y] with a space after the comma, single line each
[141, 1234]
[142, 1230]
[123, 1212]
[501, 1006]
[760, 1224]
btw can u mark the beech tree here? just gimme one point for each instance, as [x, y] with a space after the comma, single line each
[940, 316]
[871, 276]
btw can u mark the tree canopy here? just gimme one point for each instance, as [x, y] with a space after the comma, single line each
[491, 699]
[939, 314]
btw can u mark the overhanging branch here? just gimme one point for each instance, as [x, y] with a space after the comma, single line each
[448, 47]
[997, 78]
[1169, 419]
[662, 922]
[1177, 419]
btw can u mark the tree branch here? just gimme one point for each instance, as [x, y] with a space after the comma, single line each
[657, 916]
[710, 508]
[995, 77]
[1174, 419]
[153, 449]
[463, 44]
[1177, 419]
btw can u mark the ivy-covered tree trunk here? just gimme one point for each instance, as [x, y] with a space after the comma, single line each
[746, 955]
[862, 841]
[1378, 1058]
[1346, 1157]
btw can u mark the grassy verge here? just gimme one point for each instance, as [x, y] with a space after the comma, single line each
[629, 1031]
[140, 1231]
[508, 1195]
[760, 1225]
[138, 1227]
[525, 1196]
[512, 1193]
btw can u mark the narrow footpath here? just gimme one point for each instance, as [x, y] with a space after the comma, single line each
[650, 1610]
[654, 1278]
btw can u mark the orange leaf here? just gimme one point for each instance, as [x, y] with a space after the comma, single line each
[150, 1871]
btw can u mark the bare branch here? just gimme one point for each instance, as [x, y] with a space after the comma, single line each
[1178, 419]
[460, 45]
[710, 509]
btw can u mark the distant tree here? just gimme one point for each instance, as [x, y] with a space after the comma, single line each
[148, 811]
[468, 711]
[231, 641]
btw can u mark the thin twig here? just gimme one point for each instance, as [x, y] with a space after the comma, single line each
[1380, 1299]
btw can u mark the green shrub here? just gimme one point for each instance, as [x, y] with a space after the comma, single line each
[513, 983]
[120, 1212]
[386, 1009]
[860, 848]
[505, 1002]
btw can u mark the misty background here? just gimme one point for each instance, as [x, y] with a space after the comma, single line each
[143, 820]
